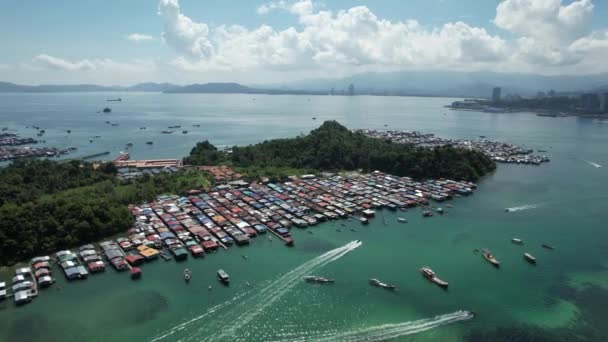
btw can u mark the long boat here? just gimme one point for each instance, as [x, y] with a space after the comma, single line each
[428, 273]
[487, 254]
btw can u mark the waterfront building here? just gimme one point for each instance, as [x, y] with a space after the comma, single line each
[496, 94]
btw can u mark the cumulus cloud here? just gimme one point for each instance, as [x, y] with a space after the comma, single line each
[44, 61]
[353, 37]
[62, 64]
[182, 33]
[138, 37]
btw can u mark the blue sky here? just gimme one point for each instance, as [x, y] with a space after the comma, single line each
[187, 41]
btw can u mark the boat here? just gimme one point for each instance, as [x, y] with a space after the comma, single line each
[223, 276]
[314, 118]
[129, 144]
[114, 100]
[166, 132]
[430, 275]
[529, 258]
[187, 275]
[106, 110]
[184, 132]
[487, 254]
[378, 283]
[507, 210]
[427, 213]
[547, 246]
[150, 142]
[196, 125]
[135, 273]
[517, 241]
[402, 220]
[175, 126]
[142, 128]
[69, 131]
[319, 280]
[449, 206]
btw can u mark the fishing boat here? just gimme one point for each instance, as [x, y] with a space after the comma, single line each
[402, 220]
[529, 258]
[319, 280]
[487, 254]
[430, 275]
[449, 206]
[129, 144]
[223, 276]
[517, 241]
[166, 132]
[547, 246]
[378, 283]
[187, 275]
[142, 128]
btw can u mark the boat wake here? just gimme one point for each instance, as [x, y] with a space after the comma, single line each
[256, 304]
[592, 163]
[523, 207]
[247, 310]
[389, 331]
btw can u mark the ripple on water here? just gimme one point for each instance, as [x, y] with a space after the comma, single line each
[314, 245]
[35, 327]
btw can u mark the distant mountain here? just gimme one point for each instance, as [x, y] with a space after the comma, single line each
[235, 88]
[152, 87]
[49, 88]
[222, 88]
[7, 87]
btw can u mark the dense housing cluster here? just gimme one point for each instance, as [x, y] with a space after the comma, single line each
[11, 148]
[497, 151]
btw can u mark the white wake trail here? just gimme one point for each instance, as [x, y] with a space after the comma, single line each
[389, 331]
[252, 307]
[592, 163]
[524, 207]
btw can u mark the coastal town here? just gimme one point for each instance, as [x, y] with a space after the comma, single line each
[12, 147]
[177, 227]
[497, 151]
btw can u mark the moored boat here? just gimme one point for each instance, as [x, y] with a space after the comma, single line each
[429, 274]
[319, 280]
[378, 283]
[487, 254]
[529, 258]
[223, 276]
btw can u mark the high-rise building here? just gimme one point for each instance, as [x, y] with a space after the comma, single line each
[496, 94]
[351, 89]
[604, 102]
[590, 102]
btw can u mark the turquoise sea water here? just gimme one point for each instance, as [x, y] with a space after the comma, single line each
[564, 297]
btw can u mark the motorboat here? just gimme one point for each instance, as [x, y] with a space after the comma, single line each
[427, 213]
[378, 283]
[187, 275]
[223, 276]
[430, 275]
[487, 254]
[318, 280]
[517, 241]
[547, 246]
[529, 258]
[402, 220]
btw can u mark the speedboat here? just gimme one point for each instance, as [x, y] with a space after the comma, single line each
[378, 283]
[489, 257]
[319, 280]
[402, 220]
[547, 246]
[223, 276]
[517, 241]
[187, 275]
[430, 275]
[529, 258]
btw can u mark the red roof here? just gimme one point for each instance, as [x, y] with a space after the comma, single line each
[134, 259]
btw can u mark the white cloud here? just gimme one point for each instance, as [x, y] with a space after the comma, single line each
[271, 5]
[44, 61]
[138, 37]
[182, 33]
[51, 62]
[354, 37]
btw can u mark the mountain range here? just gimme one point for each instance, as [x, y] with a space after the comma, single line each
[401, 83]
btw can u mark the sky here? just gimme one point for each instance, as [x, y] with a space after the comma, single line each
[122, 42]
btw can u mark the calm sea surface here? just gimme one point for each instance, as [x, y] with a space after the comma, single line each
[564, 203]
